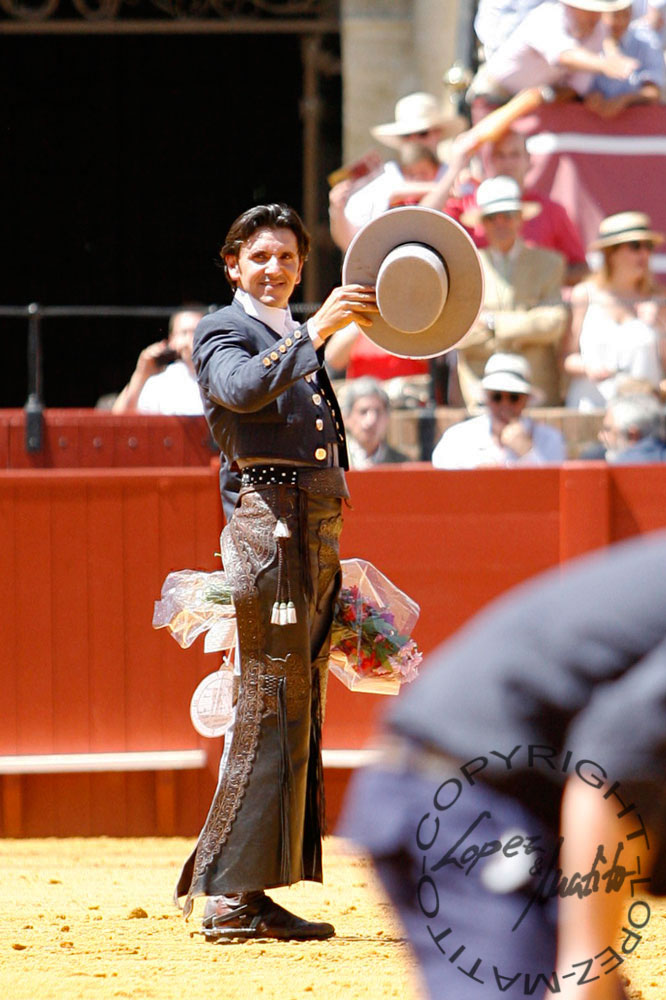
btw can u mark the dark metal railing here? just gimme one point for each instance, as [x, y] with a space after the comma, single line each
[34, 314]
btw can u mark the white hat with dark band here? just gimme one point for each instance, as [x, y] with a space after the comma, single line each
[499, 194]
[507, 373]
[625, 227]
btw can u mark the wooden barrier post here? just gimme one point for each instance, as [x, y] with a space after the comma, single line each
[584, 508]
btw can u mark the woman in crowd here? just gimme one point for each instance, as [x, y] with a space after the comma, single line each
[618, 316]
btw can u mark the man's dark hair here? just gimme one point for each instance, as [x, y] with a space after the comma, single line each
[275, 216]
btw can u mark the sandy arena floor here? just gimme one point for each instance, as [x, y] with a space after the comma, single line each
[91, 919]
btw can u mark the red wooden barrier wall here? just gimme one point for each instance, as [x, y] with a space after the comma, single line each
[84, 555]
[97, 439]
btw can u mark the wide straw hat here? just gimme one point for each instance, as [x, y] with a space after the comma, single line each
[600, 6]
[499, 194]
[625, 227]
[428, 280]
[416, 113]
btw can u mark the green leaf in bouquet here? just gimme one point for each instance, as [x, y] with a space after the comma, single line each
[218, 594]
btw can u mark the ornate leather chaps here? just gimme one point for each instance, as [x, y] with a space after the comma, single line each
[265, 823]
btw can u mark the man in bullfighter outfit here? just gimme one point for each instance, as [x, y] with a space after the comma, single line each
[273, 413]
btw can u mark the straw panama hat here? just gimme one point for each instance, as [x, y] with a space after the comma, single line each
[417, 112]
[625, 227]
[428, 280]
[499, 194]
[600, 6]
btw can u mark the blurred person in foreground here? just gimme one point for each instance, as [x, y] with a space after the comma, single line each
[273, 413]
[523, 312]
[517, 812]
[164, 380]
[366, 409]
[501, 436]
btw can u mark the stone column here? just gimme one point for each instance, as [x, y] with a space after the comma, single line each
[390, 48]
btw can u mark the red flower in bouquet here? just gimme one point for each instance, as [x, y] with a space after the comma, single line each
[366, 634]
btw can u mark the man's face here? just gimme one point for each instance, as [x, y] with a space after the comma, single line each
[421, 170]
[268, 266]
[502, 229]
[181, 335]
[430, 137]
[507, 157]
[504, 407]
[367, 422]
[617, 22]
[581, 23]
[610, 437]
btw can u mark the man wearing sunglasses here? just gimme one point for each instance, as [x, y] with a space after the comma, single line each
[523, 312]
[501, 436]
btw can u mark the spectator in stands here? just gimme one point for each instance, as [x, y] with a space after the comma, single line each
[419, 166]
[501, 436]
[419, 118]
[522, 310]
[496, 20]
[618, 320]
[559, 44]
[645, 85]
[551, 228]
[164, 380]
[350, 354]
[366, 409]
[651, 14]
[633, 430]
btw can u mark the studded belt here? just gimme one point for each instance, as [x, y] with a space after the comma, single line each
[328, 482]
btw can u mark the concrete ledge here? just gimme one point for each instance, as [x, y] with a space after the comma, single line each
[349, 759]
[140, 760]
[150, 760]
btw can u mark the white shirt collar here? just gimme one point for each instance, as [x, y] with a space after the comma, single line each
[279, 320]
[498, 257]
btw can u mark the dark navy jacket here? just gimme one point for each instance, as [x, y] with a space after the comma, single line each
[574, 660]
[259, 396]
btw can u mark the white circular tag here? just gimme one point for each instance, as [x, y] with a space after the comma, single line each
[211, 707]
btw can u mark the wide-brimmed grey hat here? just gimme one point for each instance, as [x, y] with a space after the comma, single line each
[428, 280]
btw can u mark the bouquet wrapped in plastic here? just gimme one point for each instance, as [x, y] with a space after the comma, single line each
[371, 645]
[193, 602]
